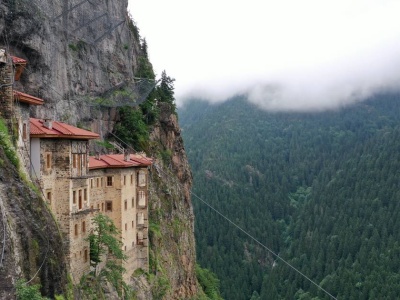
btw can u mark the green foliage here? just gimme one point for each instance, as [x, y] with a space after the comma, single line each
[105, 144]
[79, 46]
[166, 156]
[209, 283]
[320, 189]
[73, 47]
[154, 230]
[160, 286]
[28, 292]
[145, 68]
[165, 91]
[132, 129]
[104, 240]
[104, 243]
[133, 27]
[6, 144]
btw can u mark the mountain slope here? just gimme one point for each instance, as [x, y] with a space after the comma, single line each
[320, 189]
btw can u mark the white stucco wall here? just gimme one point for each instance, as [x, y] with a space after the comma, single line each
[35, 157]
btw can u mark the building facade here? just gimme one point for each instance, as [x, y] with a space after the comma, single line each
[119, 189]
[59, 155]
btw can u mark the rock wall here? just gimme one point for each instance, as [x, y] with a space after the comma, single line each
[172, 245]
[29, 237]
[74, 49]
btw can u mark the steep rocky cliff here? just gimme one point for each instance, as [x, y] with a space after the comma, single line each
[78, 51]
[75, 49]
[30, 240]
[171, 215]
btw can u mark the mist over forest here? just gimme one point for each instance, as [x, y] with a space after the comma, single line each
[321, 189]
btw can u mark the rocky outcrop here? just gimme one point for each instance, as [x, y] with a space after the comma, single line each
[29, 237]
[171, 215]
[75, 50]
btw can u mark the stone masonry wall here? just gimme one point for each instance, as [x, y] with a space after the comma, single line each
[56, 179]
[123, 195]
[6, 91]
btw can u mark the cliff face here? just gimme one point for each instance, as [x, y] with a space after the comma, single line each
[171, 215]
[74, 49]
[30, 241]
[77, 50]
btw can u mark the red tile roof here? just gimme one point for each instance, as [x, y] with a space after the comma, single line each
[59, 130]
[18, 61]
[117, 161]
[25, 98]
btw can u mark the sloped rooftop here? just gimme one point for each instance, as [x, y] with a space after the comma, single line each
[38, 128]
[18, 61]
[118, 161]
[25, 98]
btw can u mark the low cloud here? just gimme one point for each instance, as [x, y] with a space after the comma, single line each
[336, 65]
[285, 55]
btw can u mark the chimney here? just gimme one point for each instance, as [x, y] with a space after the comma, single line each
[6, 89]
[97, 156]
[48, 123]
[127, 156]
[3, 56]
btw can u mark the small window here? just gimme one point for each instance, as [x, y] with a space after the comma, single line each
[24, 132]
[133, 202]
[74, 197]
[74, 159]
[140, 219]
[98, 206]
[80, 199]
[125, 248]
[102, 207]
[141, 178]
[133, 224]
[48, 196]
[98, 182]
[91, 183]
[102, 181]
[108, 205]
[48, 161]
[126, 226]
[83, 226]
[142, 199]
[85, 194]
[85, 255]
[124, 179]
[79, 163]
[126, 204]
[139, 238]
[109, 180]
[84, 161]
[131, 178]
[76, 229]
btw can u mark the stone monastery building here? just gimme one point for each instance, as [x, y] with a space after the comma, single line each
[76, 185]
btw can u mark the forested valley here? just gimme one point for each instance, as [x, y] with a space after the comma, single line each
[319, 189]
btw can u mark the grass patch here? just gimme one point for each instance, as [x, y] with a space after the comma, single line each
[6, 144]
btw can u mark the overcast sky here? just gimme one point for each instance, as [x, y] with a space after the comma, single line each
[286, 54]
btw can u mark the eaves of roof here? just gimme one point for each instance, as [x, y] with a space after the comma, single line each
[59, 130]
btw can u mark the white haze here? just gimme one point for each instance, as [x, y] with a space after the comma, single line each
[286, 55]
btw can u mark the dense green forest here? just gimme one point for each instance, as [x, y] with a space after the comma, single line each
[320, 189]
